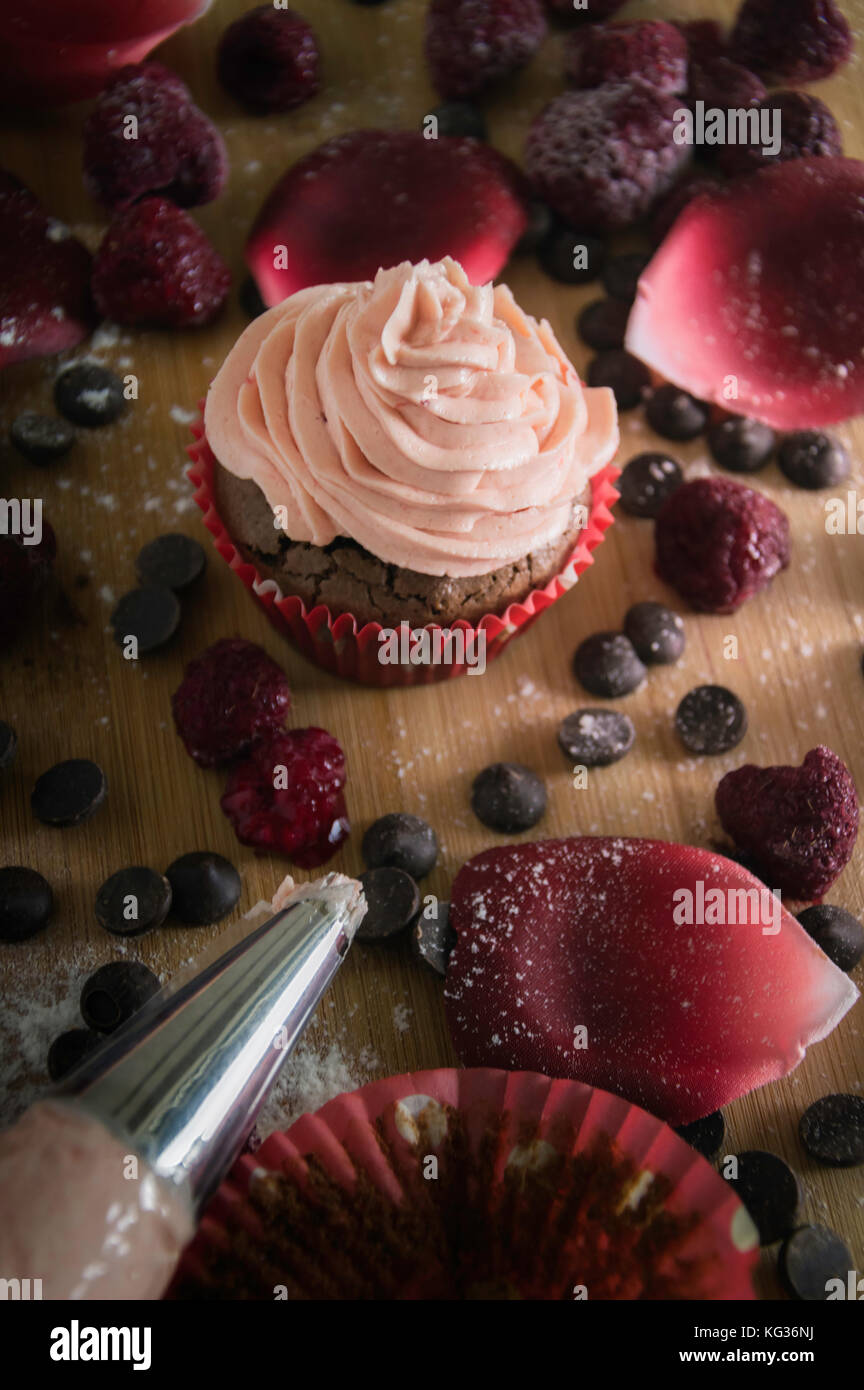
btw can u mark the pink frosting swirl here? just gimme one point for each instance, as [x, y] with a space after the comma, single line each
[429, 419]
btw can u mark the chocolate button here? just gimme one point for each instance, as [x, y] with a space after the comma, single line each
[711, 719]
[41, 439]
[769, 1190]
[627, 377]
[832, 1130]
[646, 482]
[741, 445]
[602, 324]
[675, 414]
[606, 664]
[705, 1135]
[508, 797]
[26, 903]
[114, 992]
[561, 255]
[621, 275]
[596, 737]
[392, 903]
[69, 792]
[836, 931]
[8, 745]
[433, 938]
[88, 394]
[173, 561]
[150, 615]
[69, 1049]
[656, 632]
[810, 1259]
[401, 841]
[813, 460]
[133, 901]
[205, 887]
[460, 118]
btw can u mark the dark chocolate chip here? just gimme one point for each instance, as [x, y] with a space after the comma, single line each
[251, 302]
[88, 394]
[392, 903]
[675, 414]
[69, 1049]
[602, 324]
[150, 615]
[133, 901]
[205, 887]
[832, 1130]
[433, 938]
[540, 224]
[401, 841]
[114, 992]
[41, 438]
[646, 482]
[572, 258]
[8, 745]
[769, 1190]
[710, 719]
[741, 445]
[810, 1259]
[624, 374]
[595, 737]
[606, 664]
[656, 632]
[508, 797]
[705, 1135]
[26, 903]
[813, 460]
[621, 275]
[172, 561]
[836, 931]
[69, 792]
[460, 118]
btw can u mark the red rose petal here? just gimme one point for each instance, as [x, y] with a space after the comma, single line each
[375, 198]
[761, 285]
[680, 1019]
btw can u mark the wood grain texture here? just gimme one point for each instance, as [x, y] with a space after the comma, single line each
[69, 693]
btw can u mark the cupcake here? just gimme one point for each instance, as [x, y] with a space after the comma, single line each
[472, 1185]
[413, 451]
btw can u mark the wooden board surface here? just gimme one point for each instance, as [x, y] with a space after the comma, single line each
[68, 692]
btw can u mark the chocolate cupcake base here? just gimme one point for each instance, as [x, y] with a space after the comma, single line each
[349, 579]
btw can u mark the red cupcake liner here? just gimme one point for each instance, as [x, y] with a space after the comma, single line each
[374, 1130]
[345, 648]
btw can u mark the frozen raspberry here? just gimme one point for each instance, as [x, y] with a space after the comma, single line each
[470, 44]
[592, 12]
[601, 158]
[791, 40]
[652, 51]
[171, 149]
[45, 303]
[231, 695]
[670, 208]
[23, 571]
[268, 60]
[718, 543]
[704, 38]
[721, 83]
[156, 268]
[806, 126]
[288, 797]
[797, 824]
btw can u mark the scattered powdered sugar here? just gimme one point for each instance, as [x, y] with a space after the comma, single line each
[181, 416]
[310, 1077]
[402, 1016]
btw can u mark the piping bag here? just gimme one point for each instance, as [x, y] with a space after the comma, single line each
[102, 1182]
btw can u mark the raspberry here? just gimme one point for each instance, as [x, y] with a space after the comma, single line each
[721, 83]
[268, 60]
[23, 571]
[791, 40]
[601, 158]
[173, 149]
[718, 543]
[798, 824]
[231, 695]
[652, 51]
[807, 127]
[45, 304]
[471, 44]
[155, 267]
[287, 798]
[704, 38]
